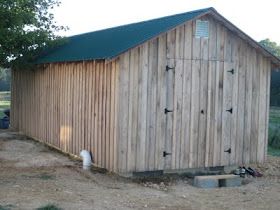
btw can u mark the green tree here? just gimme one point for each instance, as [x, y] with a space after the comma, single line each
[27, 27]
[271, 46]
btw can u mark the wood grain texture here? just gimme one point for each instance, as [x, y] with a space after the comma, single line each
[115, 108]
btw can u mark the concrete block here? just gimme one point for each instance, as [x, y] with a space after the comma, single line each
[202, 182]
[231, 182]
[217, 181]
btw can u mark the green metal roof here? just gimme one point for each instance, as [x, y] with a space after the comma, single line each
[109, 43]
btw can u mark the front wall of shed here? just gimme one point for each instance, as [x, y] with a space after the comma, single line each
[70, 106]
[199, 92]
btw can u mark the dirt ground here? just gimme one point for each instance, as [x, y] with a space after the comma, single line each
[32, 175]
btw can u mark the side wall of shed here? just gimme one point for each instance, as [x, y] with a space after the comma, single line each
[70, 106]
[199, 92]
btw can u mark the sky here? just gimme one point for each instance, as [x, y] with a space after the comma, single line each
[257, 18]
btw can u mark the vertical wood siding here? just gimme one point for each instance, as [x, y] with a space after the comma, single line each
[198, 91]
[116, 109]
[70, 106]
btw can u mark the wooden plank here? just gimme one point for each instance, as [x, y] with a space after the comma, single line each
[151, 104]
[59, 106]
[67, 109]
[177, 113]
[196, 50]
[116, 140]
[238, 100]
[195, 112]
[178, 97]
[133, 112]
[226, 116]
[61, 94]
[203, 93]
[76, 104]
[123, 113]
[72, 104]
[220, 42]
[142, 108]
[170, 47]
[210, 118]
[84, 113]
[262, 110]
[169, 141]
[99, 114]
[112, 115]
[169, 115]
[188, 40]
[228, 45]
[204, 48]
[212, 39]
[161, 103]
[248, 105]
[254, 107]
[268, 77]
[130, 158]
[103, 116]
[186, 113]
[56, 102]
[50, 101]
[81, 108]
[94, 102]
[213, 87]
[108, 103]
[87, 106]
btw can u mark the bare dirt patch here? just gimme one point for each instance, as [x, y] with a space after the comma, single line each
[32, 175]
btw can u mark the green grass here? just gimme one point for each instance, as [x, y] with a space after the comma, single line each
[273, 151]
[49, 207]
[274, 115]
[274, 131]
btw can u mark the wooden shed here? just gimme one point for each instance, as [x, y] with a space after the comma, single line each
[184, 91]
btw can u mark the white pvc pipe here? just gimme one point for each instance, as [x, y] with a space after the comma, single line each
[86, 159]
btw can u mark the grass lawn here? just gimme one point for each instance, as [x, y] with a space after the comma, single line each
[274, 115]
[274, 131]
[273, 151]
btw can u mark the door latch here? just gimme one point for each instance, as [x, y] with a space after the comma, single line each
[166, 153]
[228, 151]
[167, 110]
[231, 71]
[230, 110]
[169, 68]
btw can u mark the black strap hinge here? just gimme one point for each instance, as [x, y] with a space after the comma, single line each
[167, 110]
[166, 153]
[228, 150]
[231, 71]
[169, 68]
[230, 110]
